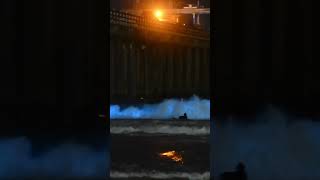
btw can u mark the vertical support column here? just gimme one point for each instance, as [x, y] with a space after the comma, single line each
[154, 71]
[139, 71]
[131, 76]
[206, 70]
[170, 4]
[203, 72]
[146, 57]
[175, 64]
[150, 74]
[161, 70]
[112, 66]
[209, 61]
[124, 79]
[117, 51]
[119, 69]
[157, 71]
[165, 71]
[180, 70]
[170, 76]
[197, 70]
[193, 18]
[198, 19]
[143, 70]
[189, 72]
[184, 87]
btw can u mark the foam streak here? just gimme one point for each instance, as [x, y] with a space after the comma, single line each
[160, 175]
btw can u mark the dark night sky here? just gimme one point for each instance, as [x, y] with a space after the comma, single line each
[53, 55]
[265, 54]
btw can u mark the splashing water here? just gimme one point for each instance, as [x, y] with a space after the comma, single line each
[275, 146]
[65, 160]
[195, 108]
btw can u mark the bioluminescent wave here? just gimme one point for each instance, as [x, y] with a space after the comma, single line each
[66, 160]
[195, 108]
[275, 146]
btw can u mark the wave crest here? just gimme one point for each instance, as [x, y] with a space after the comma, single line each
[195, 107]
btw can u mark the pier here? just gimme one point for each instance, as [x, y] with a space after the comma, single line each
[151, 59]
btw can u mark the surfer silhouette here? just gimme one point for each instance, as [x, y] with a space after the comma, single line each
[184, 117]
[239, 174]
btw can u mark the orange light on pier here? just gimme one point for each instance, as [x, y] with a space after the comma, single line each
[158, 14]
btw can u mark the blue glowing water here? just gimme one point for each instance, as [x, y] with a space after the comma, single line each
[195, 108]
[273, 147]
[70, 160]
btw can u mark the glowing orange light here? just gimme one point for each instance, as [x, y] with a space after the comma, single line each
[173, 155]
[158, 14]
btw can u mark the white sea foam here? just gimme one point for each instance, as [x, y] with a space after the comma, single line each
[161, 175]
[163, 129]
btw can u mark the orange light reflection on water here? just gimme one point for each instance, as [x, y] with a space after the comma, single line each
[173, 155]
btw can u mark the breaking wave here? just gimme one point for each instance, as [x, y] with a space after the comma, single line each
[160, 175]
[195, 108]
[275, 146]
[66, 160]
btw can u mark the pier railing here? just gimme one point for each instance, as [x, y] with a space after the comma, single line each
[134, 21]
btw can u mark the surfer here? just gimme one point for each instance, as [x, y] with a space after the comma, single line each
[184, 117]
[239, 174]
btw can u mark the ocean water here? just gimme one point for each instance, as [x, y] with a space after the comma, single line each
[139, 134]
[274, 145]
[136, 146]
[68, 159]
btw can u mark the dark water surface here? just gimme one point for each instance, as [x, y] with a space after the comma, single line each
[44, 157]
[272, 145]
[136, 154]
